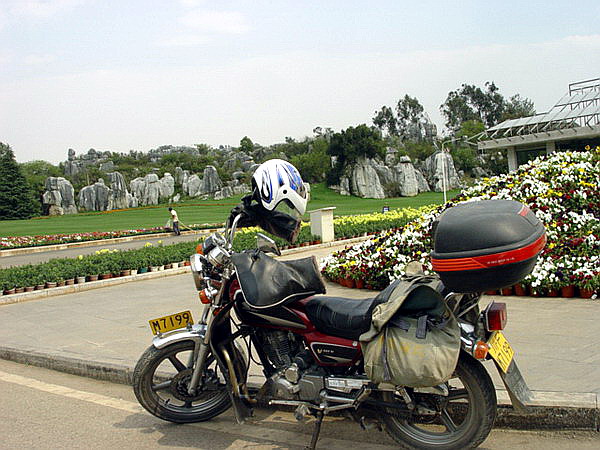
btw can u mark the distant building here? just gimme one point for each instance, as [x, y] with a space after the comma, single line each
[572, 123]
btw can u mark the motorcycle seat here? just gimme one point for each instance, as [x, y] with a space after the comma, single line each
[342, 317]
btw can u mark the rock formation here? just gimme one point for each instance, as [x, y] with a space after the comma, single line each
[118, 191]
[167, 186]
[434, 168]
[94, 197]
[59, 197]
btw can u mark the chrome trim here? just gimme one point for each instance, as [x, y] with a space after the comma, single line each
[196, 334]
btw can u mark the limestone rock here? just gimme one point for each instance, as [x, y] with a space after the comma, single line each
[434, 168]
[94, 197]
[211, 182]
[132, 202]
[118, 191]
[167, 186]
[176, 198]
[423, 185]
[192, 186]
[238, 175]
[241, 189]
[479, 172]
[151, 193]
[107, 166]
[407, 178]
[226, 192]
[137, 187]
[60, 195]
[364, 181]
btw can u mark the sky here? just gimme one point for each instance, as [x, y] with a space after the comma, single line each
[125, 75]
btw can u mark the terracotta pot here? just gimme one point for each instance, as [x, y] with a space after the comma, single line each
[70, 281]
[38, 287]
[567, 291]
[125, 273]
[29, 288]
[186, 263]
[168, 266]
[9, 291]
[507, 291]
[552, 292]
[80, 280]
[493, 292]
[520, 289]
[586, 293]
[350, 283]
[60, 283]
[50, 284]
[92, 277]
[105, 276]
[19, 290]
[360, 284]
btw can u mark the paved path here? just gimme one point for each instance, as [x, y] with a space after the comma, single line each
[33, 258]
[46, 409]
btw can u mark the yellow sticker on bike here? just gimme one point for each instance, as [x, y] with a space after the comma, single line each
[501, 350]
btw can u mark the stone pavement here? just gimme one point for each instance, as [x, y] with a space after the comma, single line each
[107, 329]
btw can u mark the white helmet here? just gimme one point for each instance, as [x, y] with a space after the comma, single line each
[278, 181]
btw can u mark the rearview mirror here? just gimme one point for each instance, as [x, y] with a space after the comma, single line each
[266, 244]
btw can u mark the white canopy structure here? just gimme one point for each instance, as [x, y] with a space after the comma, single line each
[575, 117]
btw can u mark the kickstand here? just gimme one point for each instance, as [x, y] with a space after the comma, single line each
[317, 430]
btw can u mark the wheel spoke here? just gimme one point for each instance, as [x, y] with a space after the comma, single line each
[176, 363]
[457, 394]
[161, 386]
[447, 421]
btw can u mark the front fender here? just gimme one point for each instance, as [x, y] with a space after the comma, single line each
[196, 334]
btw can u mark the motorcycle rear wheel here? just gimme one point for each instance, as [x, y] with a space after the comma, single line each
[160, 381]
[465, 421]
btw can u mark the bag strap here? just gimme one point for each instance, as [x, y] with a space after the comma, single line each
[421, 327]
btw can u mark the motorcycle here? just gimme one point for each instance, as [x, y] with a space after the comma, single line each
[308, 348]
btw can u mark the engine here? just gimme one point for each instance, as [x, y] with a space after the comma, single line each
[297, 375]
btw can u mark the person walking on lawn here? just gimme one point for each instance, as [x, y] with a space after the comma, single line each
[175, 220]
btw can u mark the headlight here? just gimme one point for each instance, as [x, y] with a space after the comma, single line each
[197, 272]
[218, 256]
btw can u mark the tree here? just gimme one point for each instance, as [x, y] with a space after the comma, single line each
[15, 197]
[351, 144]
[517, 107]
[246, 145]
[408, 122]
[35, 173]
[315, 163]
[488, 106]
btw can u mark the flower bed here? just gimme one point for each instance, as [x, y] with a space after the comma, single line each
[51, 239]
[562, 190]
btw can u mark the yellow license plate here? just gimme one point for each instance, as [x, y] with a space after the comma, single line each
[501, 350]
[172, 322]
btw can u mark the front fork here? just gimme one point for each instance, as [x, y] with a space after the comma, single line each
[201, 350]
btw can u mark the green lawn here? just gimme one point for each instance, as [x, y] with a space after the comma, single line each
[199, 211]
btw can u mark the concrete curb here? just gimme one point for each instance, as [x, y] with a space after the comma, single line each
[44, 293]
[94, 243]
[548, 410]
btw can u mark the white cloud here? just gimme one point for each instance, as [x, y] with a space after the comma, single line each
[184, 40]
[216, 21]
[41, 8]
[34, 60]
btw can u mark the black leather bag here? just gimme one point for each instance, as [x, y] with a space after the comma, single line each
[267, 282]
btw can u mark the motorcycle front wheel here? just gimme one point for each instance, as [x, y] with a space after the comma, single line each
[160, 383]
[463, 419]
